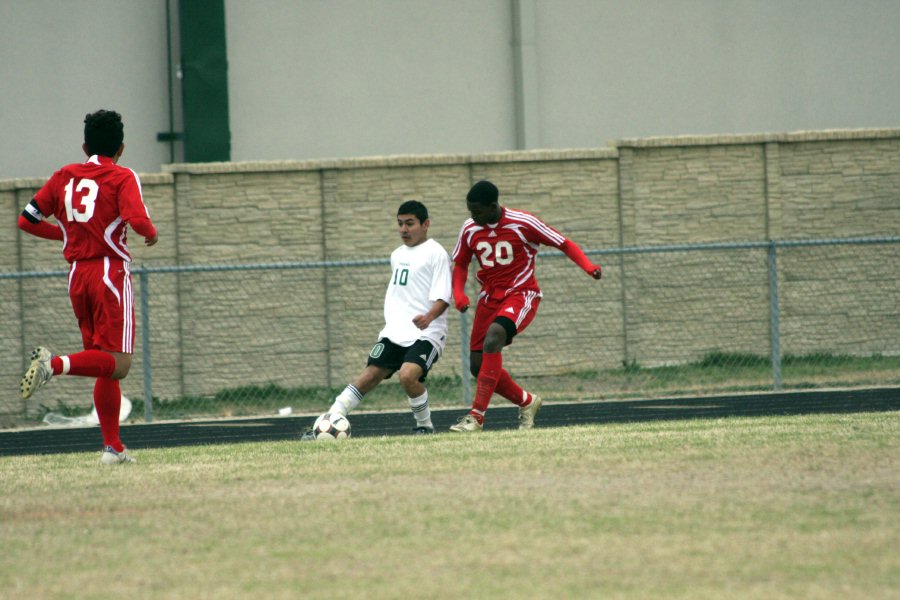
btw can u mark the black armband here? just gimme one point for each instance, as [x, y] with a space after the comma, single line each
[33, 213]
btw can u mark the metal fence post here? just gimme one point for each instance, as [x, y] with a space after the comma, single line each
[145, 345]
[464, 359]
[774, 324]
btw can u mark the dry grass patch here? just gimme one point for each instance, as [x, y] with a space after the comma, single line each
[779, 507]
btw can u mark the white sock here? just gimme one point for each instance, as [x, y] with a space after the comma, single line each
[346, 401]
[421, 410]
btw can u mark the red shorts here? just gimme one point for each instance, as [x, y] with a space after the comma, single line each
[518, 307]
[101, 295]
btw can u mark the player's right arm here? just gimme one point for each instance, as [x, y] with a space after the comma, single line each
[32, 221]
[460, 274]
[462, 256]
[32, 218]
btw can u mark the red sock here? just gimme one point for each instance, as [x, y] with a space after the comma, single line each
[108, 401]
[510, 390]
[491, 367]
[89, 363]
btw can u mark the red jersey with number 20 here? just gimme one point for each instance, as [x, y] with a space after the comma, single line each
[93, 202]
[506, 250]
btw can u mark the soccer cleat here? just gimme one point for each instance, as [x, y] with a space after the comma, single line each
[111, 457]
[38, 374]
[308, 436]
[526, 413]
[422, 430]
[466, 424]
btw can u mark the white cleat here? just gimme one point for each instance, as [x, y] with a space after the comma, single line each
[527, 413]
[38, 374]
[111, 457]
[466, 424]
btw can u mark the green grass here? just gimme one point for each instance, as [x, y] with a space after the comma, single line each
[775, 507]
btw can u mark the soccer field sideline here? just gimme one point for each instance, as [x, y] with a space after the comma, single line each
[46, 440]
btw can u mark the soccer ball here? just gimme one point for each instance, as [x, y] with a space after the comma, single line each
[331, 426]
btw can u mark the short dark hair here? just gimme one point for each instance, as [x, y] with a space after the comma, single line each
[103, 132]
[415, 208]
[484, 192]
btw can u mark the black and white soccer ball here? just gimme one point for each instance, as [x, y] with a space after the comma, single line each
[331, 426]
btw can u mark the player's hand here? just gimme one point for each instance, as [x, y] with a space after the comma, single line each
[461, 302]
[422, 321]
[151, 240]
[596, 272]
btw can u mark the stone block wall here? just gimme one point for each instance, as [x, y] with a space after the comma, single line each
[211, 331]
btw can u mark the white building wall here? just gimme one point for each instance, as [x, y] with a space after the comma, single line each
[317, 79]
[61, 59]
[340, 78]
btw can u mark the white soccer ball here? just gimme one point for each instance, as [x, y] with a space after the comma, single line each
[331, 426]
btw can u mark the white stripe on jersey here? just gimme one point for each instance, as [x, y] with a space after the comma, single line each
[469, 228]
[529, 299]
[535, 223]
[531, 249]
[107, 237]
[109, 282]
[71, 275]
[128, 329]
[137, 180]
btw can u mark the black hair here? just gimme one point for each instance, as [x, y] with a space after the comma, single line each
[103, 132]
[415, 208]
[484, 192]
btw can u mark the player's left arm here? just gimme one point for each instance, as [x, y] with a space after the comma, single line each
[577, 256]
[544, 234]
[440, 291]
[134, 211]
[436, 310]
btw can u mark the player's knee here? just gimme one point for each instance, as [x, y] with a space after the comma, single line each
[409, 375]
[499, 334]
[495, 339]
[123, 365]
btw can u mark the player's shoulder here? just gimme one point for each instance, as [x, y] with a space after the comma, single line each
[434, 246]
[124, 172]
[521, 216]
[69, 169]
[469, 224]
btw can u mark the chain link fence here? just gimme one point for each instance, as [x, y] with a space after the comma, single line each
[250, 339]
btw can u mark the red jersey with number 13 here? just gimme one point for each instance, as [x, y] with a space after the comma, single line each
[506, 250]
[93, 202]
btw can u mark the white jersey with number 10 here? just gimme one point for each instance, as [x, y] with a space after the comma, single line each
[420, 276]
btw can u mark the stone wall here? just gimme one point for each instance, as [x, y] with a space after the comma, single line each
[211, 331]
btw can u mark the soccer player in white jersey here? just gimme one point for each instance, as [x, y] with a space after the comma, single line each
[415, 320]
[505, 242]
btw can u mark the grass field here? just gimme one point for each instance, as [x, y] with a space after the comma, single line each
[774, 507]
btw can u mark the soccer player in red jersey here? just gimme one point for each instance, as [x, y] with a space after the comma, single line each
[505, 241]
[94, 202]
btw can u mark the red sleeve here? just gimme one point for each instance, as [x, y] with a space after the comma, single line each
[131, 201]
[45, 198]
[143, 226]
[460, 274]
[132, 207]
[42, 229]
[577, 256]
